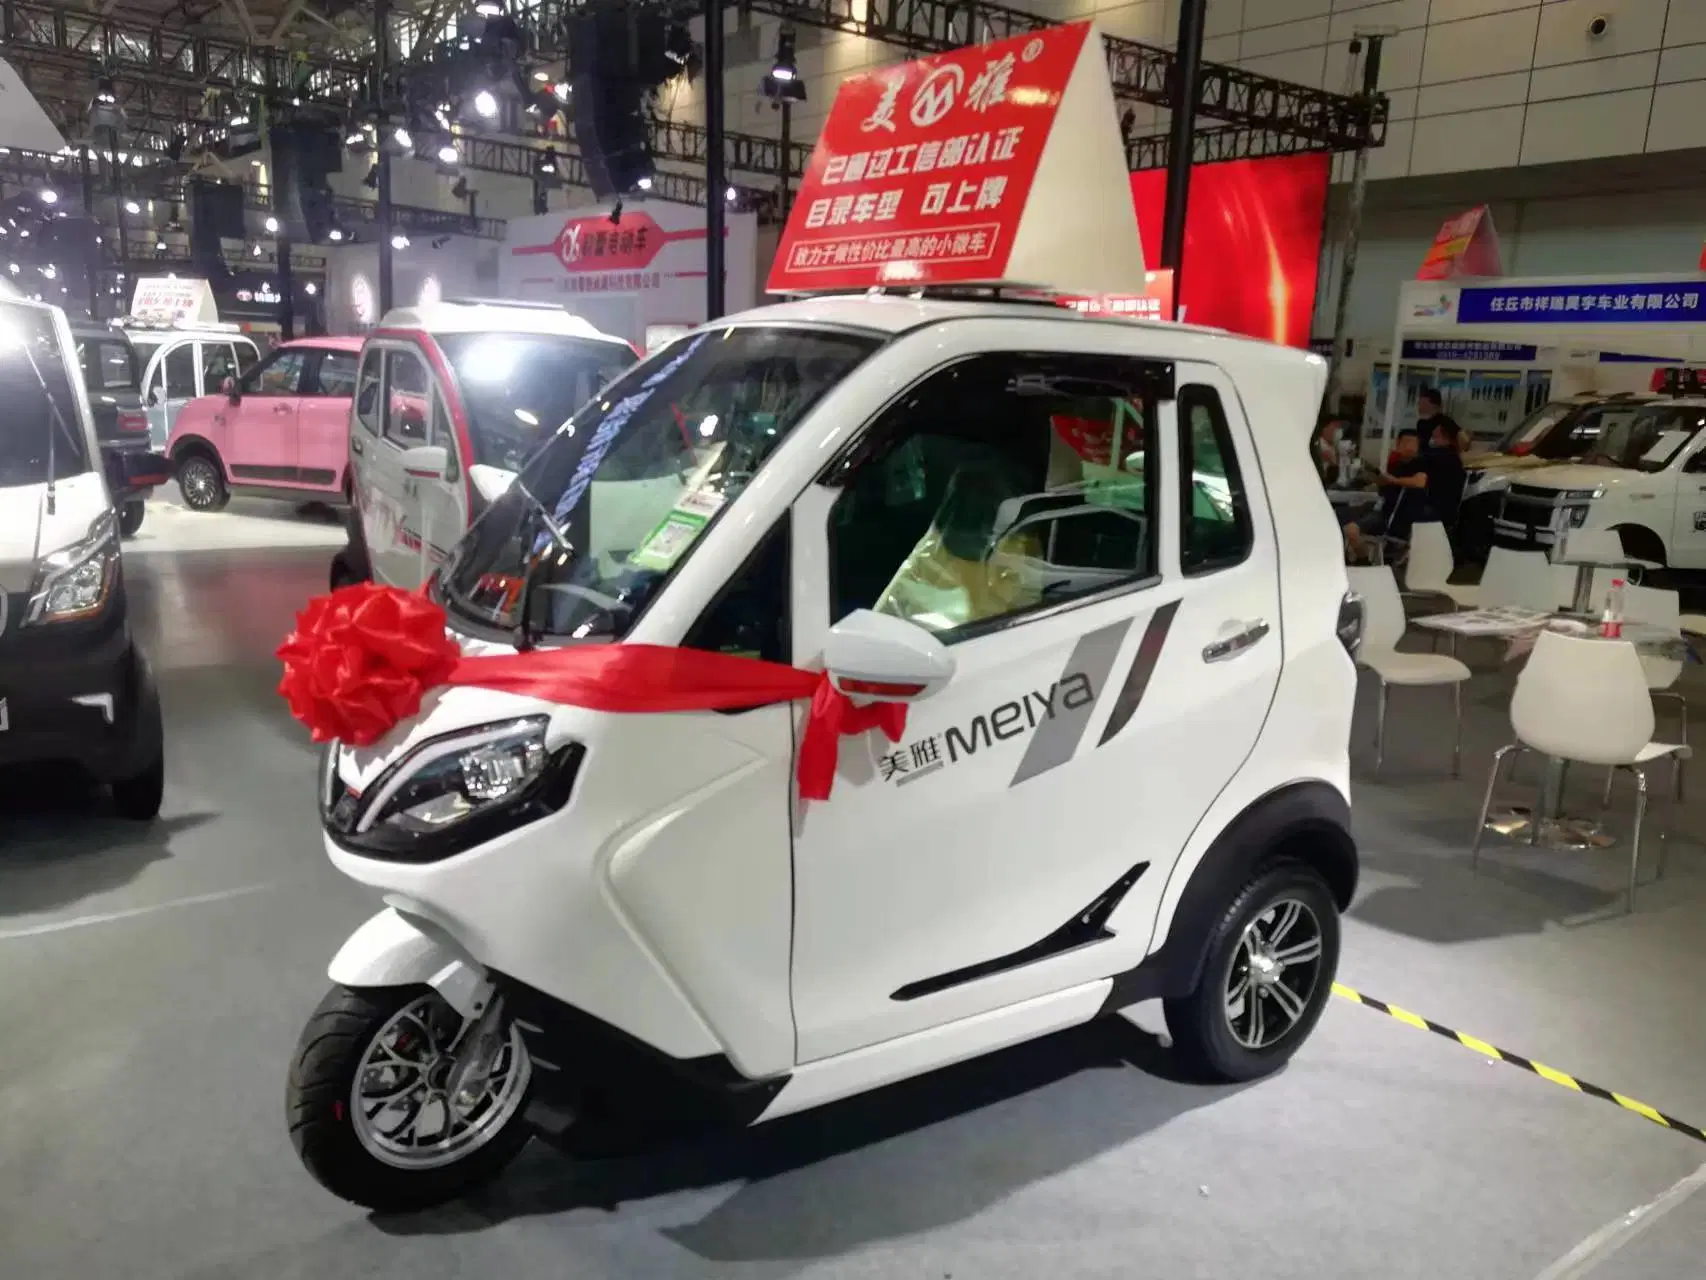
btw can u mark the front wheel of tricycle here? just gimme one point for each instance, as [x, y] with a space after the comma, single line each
[380, 1114]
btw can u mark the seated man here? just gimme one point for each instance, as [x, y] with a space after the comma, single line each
[1402, 499]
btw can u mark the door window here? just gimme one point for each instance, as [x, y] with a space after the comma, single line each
[218, 362]
[280, 374]
[750, 616]
[408, 399]
[1214, 512]
[336, 374]
[1001, 485]
[181, 372]
[247, 355]
[368, 398]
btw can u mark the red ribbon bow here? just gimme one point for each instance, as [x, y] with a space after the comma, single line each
[361, 659]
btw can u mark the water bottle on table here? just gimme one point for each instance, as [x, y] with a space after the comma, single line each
[1611, 618]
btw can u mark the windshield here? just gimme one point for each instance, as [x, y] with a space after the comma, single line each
[519, 387]
[1522, 438]
[620, 493]
[1580, 434]
[30, 427]
[108, 364]
[1645, 439]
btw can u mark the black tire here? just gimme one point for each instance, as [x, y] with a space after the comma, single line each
[202, 483]
[317, 1105]
[130, 517]
[1200, 1024]
[138, 797]
[344, 572]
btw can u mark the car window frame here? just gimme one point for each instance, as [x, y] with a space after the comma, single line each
[323, 354]
[203, 345]
[1153, 374]
[170, 391]
[1184, 455]
[378, 354]
[250, 386]
[391, 350]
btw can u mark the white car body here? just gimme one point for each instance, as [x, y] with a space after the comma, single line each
[1660, 513]
[414, 499]
[73, 686]
[682, 899]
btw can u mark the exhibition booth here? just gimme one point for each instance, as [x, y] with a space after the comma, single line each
[423, 271]
[637, 271]
[1497, 346]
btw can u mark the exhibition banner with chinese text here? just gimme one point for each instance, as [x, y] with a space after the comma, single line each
[928, 174]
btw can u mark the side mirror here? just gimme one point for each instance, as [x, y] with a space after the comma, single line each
[229, 387]
[886, 659]
[154, 396]
[426, 462]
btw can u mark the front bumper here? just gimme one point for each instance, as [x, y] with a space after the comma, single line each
[80, 693]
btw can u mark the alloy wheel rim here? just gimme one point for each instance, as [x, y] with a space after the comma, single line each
[403, 1112]
[197, 482]
[1274, 972]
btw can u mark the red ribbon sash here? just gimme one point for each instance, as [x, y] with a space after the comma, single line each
[361, 659]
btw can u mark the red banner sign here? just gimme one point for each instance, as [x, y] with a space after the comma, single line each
[1466, 245]
[1154, 303]
[598, 244]
[922, 172]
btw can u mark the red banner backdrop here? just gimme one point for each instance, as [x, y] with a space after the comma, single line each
[1252, 242]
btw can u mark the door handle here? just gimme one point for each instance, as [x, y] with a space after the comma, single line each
[1232, 646]
[355, 447]
[281, 408]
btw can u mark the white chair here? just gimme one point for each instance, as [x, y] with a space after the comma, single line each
[1431, 564]
[1383, 628]
[1584, 699]
[1656, 607]
[1520, 578]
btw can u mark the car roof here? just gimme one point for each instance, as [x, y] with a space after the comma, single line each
[476, 315]
[896, 313]
[325, 342]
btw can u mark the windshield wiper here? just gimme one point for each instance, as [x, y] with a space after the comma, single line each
[58, 424]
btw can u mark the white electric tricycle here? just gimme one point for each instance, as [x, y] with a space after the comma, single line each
[1093, 557]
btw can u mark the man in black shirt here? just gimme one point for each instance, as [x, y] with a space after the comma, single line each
[1401, 498]
[1432, 416]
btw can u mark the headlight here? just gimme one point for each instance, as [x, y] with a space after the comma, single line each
[458, 778]
[75, 583]
[454, 792]
[1583, 495]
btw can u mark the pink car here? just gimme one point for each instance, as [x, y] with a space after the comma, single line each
[282, 431]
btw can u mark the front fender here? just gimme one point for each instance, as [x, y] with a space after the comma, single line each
[395, 949]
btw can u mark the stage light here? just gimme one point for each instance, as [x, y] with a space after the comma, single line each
[644, 184]
[271, 224]
[254, 251]
[310, 288]
[486, 104]
[561, 90]
[399, 241]
[49, 196]
[448, 156]
[731, 195]
[104, 109]
[782, 83]
[335, 235]
[130, 206]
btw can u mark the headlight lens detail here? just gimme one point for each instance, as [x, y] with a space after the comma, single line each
[452, 793]
[455, 784]
[75, 583]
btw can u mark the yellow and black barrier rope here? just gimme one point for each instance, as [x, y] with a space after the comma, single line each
[1517, 1060]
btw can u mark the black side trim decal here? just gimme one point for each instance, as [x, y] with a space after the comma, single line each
[1142, 668]
[1087, 927]
[265, 473]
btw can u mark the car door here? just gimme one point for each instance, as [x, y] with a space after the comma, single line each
[1106, 601]
[322, 425]
[260, 429]
[179, 363]
[440, 501]
[403, 405]
[376, 473]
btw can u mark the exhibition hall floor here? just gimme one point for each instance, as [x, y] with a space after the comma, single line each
[153, 981]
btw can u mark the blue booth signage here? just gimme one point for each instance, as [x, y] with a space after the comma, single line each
[1468, 352]
[1680, 302]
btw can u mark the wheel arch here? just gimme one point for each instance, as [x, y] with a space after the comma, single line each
[1307, 822]
[1642, 541]
[192, 446]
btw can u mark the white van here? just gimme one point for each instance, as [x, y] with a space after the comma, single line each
[74, 688]
[182, 360]
[1643, 476]
[451, 399]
